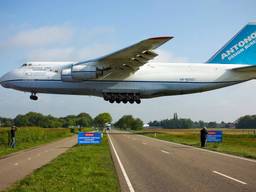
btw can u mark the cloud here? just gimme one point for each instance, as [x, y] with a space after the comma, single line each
[95, 51]
[40, 37]
[70, 53]
[96, 34]
[52, 54]
[165, 56]
[60, 42]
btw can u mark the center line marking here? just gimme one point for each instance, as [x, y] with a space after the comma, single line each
[122, 167]
[239, 181]
[164, 151]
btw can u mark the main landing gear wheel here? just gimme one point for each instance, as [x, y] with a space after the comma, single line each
[33, 97]
[122, 97]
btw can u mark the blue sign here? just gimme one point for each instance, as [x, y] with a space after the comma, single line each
[214, 136]
[89, 138]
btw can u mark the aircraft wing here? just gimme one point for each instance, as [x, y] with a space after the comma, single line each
[122, 63]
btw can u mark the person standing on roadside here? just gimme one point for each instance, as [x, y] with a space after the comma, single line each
[13, 136]
[203, 136]
[9, 137]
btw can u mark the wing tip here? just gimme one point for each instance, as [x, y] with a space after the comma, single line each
[161, 38]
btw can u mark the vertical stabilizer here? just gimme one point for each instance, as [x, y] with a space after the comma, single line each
[241, 49]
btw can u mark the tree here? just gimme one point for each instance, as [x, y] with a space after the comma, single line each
[201, 124]
[247, 121]
[128, 122]
[174, 123]
[175, 116]
[21, 120]
[69, 120]
[212, 124]
[84, 120]
[37, 119]
[101, 119]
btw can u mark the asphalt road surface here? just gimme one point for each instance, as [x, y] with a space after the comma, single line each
[16, 166]
[148, 164]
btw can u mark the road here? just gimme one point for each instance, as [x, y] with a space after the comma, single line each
[16, 166]
[148, 164]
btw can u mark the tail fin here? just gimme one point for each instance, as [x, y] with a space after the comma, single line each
[241, 49]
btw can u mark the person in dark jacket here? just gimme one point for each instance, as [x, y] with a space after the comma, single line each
[203, 136]
[9, 138]
[13, 136]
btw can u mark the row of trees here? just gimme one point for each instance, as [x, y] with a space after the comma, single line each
[126, 122]
[176, 123]
[48, 121]
[82, 120]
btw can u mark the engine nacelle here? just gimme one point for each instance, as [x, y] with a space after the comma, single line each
[81, 72]
[66, 75]
[84, 71]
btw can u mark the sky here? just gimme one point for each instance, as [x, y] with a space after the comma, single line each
[77, 30]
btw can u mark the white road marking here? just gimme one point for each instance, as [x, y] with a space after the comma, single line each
[239, 181]
[16, 164]
[165, 151]
[29, 158]
[205, 150]
[122, 167]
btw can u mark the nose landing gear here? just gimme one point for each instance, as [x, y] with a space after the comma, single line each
[33, 97]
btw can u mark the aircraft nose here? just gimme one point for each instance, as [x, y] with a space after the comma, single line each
[4, 80]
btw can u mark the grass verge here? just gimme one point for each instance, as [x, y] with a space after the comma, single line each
[234, 142]
[30, 137]
[83, 168]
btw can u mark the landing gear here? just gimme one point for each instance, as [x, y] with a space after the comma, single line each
[122, 97]
[33, 97]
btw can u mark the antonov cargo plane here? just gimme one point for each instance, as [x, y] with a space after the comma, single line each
[126, 76]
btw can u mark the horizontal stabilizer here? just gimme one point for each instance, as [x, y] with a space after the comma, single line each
[245, 69]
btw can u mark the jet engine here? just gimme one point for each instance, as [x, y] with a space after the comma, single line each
[81, 72]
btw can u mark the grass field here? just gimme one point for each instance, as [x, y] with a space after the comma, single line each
[30, 137]
[83, 168]
[235, 141]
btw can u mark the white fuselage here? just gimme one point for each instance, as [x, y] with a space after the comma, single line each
[151, 80]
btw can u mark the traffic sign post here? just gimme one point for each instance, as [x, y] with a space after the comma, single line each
[89, 138]
[214, 136]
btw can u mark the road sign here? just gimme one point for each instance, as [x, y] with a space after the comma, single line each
[214, 136]
[89, 138]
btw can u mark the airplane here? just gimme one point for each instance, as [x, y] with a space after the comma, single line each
[126, 75]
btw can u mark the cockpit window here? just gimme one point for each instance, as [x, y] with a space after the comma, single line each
[26, 65]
